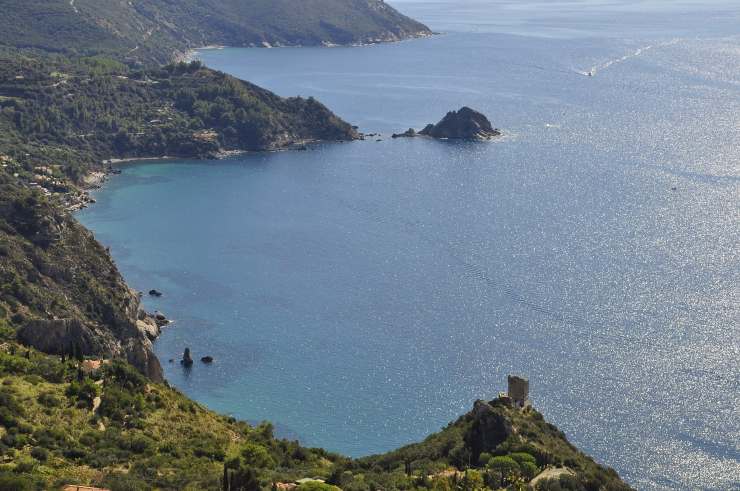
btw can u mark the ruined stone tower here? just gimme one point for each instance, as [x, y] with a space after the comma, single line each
[519, 391]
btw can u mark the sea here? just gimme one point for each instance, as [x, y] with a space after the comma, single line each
[362, 295]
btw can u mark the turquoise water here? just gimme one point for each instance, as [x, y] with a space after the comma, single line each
[362, 295]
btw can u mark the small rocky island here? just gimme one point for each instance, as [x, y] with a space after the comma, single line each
[465, 124]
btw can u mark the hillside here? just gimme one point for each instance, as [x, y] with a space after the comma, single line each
[109, 426]
[486, 440]
[59, 287]
[153, 30]
[82, 398]
[73, 113]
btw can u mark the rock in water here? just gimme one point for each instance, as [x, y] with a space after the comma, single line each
[155, 293]
[409, 133]
[207, 359]
[465, 124]
[160, 319]
[187, 360]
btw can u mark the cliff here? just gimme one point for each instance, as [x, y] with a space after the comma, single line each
[60, 288]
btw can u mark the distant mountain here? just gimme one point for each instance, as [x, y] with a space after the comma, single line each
[154, 30]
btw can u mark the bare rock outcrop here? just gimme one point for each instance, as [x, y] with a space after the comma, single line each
[464, 124]
[73, 337]
[489, 429]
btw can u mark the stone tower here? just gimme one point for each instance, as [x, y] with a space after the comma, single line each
[519, 390]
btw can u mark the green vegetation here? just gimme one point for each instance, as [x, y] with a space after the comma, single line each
[493, 446]
[144, 435]
[152, 31]
[149, 436]
[73, 113]
[59, 288]
[79, 84]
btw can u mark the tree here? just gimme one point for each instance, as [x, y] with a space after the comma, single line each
[239, 476]
[529, 470]
[257, 456]
[527, 464]
[503, 467]
[472, 481]
[484, 458]
[521, 457]
[10, 482]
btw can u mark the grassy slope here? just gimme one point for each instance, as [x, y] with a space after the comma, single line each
[143, 435]
[146, 435]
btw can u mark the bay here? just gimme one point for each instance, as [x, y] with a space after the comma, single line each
[361, 295]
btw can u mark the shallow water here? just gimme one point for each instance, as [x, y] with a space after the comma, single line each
[361, 295]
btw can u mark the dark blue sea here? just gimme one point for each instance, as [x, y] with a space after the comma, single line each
[362, 295]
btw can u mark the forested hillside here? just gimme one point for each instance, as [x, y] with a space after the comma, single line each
[76, 112]
[153, 30]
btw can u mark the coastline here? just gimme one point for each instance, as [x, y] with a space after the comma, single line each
[192, 53]
[97, 177]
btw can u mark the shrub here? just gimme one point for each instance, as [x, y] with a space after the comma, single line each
[140, 444]
[50, 369]
[48, 399]
[119, 405]
[15, 440]
[14, 364]
[7, 333]
[25, 466]
[7, 418]
[484, 458]
[523, 457]
[124, 482]
[32, 378]
[10, 482]
[316, 486]
[503, 467]
[257, 456]
[40, 454]
[124, 375]
[210, 450]
[75, 452]
[89, 438]
[529, 470]
[83, 392]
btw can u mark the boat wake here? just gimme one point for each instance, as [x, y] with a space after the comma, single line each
[591, 72]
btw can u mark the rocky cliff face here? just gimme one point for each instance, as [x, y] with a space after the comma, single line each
[60, 287]
[465, 124]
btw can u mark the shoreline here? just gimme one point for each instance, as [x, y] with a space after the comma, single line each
[191, 54]
[96, 178]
